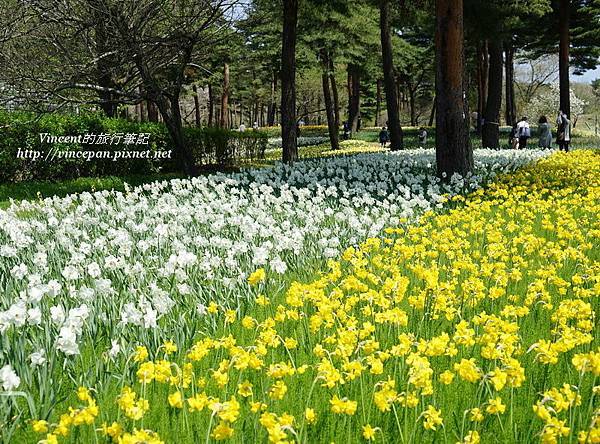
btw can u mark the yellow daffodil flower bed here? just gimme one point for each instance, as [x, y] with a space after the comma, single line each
[475, 325]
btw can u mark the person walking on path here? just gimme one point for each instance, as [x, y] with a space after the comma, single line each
[384, 137]
[563, 132]
[523, 132]
[545, 133]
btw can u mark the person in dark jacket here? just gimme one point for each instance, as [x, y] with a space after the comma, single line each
[384, 137]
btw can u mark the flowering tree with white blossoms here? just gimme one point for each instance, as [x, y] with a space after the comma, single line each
[547, 103]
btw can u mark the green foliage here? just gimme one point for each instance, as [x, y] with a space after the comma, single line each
[22, 131]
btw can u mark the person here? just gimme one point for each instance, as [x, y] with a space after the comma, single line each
[563, 131]
[242, 127]
[384, 137]
[422, 136]
[513, 140]
[523, 132]
[545, 133]
[255, 126]
[346, 130]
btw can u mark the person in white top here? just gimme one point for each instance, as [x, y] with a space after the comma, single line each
[242, 128]
[563, 132]
[523, 132]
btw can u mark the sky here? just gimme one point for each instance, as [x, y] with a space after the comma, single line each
[588, 76]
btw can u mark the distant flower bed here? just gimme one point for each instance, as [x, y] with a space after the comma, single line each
[275, 142]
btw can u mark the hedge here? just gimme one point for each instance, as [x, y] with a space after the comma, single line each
[20, 134]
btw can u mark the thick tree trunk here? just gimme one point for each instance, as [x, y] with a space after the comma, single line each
[482, 81]
[329, 103]
[510, 112]
[288, 81]
[224, 122]
[171, 116]
[319, 107]
[272, 105]
[413, 107]
[391, 95]
[335, 96]
[453, 147]
[354, 102]
[432, 115]
[211, 105]
[142, 111]
[490, 135]
[563, 57]
[378, 104]
[196, 105]
[103, 66]
[152, 112]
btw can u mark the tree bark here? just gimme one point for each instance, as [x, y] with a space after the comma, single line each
[510, 113]
[378, 104]
[432, 115]
[224, 122]
[272, 105]
[103, 67]
[329, 103]
[354, 102]
[412, 106]
[143, 117]
[335, 96]
[391, 95]
[453, 147]
[482, 81]
[152, 112]
[563, 57]
[490, 135]
[196, 105]
[288, 81]
[211, 105]
[171, 115]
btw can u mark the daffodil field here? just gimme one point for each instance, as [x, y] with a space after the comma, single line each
[344, 299]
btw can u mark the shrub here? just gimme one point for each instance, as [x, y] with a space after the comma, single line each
[21, 131]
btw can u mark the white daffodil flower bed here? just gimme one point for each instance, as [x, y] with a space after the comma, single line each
[96, 273]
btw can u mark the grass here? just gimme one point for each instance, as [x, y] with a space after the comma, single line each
[35, 190]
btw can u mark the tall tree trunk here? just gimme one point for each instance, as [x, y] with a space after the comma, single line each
[143, 115]
[453, 147]
[319, 108]
[509, 69]
[391, 95]
[329, 102]
[152, 112]
[490, 135]
[413, 107]
[354, 102]
[103, 67]
[378, 104]
[224, 123]
[211, 105]
[334, 95]
[196, 105]
[171, 115]
[433, 108]
[563, 57]
[288, 81]
[482, 81]
[272, 105]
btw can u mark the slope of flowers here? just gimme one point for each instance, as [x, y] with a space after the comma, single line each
[107, 268]
[475, 325]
